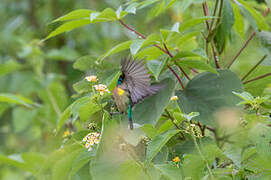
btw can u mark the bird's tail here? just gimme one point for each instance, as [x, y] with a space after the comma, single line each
[130, 117]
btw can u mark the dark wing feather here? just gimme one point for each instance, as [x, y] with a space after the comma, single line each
[137, 80]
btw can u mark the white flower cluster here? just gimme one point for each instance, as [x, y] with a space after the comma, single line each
[101, 88]
[91, 140]
[91, 78]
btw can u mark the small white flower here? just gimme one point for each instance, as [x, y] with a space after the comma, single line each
[91, 78]
[174, 98]
[96, 141]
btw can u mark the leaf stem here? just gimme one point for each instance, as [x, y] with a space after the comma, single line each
[254, 67]
[257, 78]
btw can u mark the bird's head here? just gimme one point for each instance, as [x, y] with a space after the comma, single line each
[120, 80]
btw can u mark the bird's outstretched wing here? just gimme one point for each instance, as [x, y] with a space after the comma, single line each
[137, 80]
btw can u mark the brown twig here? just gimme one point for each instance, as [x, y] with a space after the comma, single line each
[179, 79]
[257, 78]
[206, 13]
[246, 43]
[254, 67]
[241, 50]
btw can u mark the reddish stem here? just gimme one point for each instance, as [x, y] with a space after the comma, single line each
[241, 50]
[257, 78]
[246, 43]
[131, 29]
[206, 13]
[180, 81]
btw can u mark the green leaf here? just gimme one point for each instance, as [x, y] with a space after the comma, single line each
[265, 37]
[206, 93]
[234, 153]
[62, 168]
[135, 46]
[187, 37]
[143, 114]
[15, 99]
[82, 86]
[118, 48]
[149, 130]
[9, 67]
[187, 54]
[244, 95]
[108, 14]
[16, 161]
[156, 67]
[22, 118]
[72, 110]
[170, 171]
[258, 17]
[68, 26]
[225, 26]
[239, 24]
[197, 64]
[83, 158]
[84, 63]
[193, 22]
[158, 142]
[114, 81]
[76, 14]
[132, 8]
[87, 110]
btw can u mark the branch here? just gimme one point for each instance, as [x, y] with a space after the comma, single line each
[206, 13]
[179, 79]
[241, 50]
[257, 78]
[254, 67]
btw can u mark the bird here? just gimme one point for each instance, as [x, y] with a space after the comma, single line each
[133, 85]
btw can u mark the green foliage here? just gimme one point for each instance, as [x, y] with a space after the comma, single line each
[57, 116]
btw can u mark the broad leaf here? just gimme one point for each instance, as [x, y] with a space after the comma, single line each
[9, 67]
[170, 171]
[158, 142]
[118, 48]
[207, 92]
[84, 63]
[239, 24]
[156, 67]
[225, 26]
[197, 64]
[193, 22]
[68, 26]
[258, 17]
[149, 110]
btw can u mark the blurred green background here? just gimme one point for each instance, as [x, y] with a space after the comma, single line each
[44, 73]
